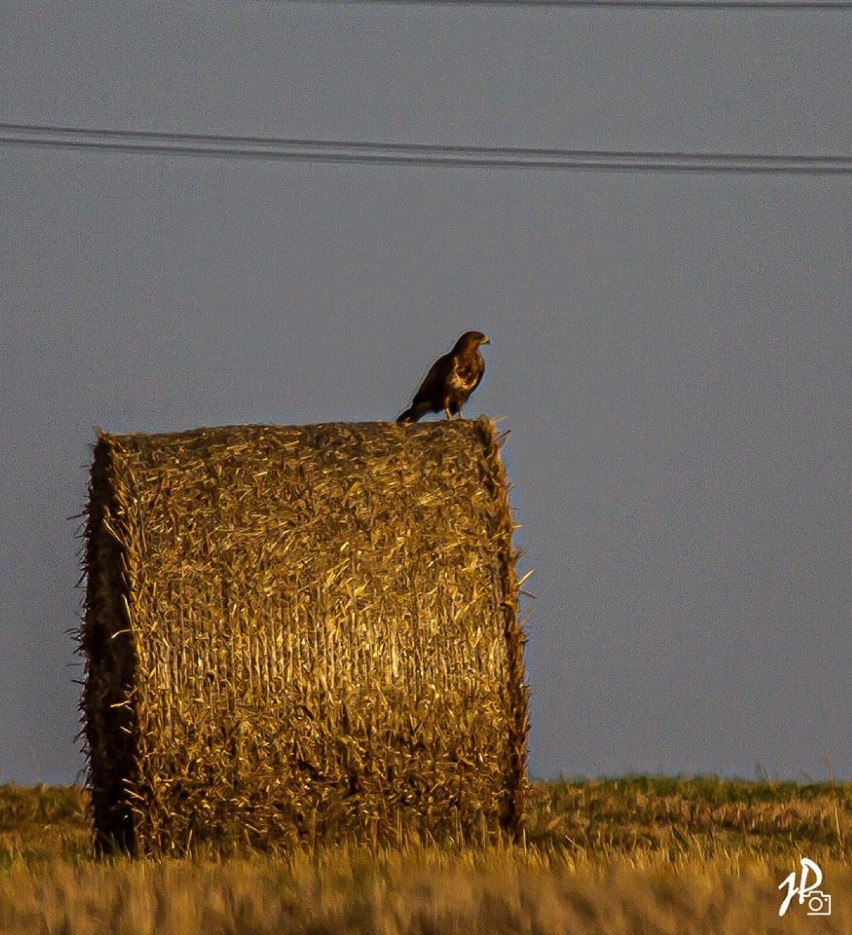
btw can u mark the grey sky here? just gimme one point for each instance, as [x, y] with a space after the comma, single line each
[671, 351]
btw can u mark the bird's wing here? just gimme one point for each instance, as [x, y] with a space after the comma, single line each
[435, 380]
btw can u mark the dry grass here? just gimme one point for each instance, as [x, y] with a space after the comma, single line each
[412, 892]
[625, 857]
[704, 816]
[302, 632]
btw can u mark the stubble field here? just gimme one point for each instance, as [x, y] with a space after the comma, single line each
[634, 855]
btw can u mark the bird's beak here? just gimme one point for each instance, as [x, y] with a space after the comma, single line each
[485, 340]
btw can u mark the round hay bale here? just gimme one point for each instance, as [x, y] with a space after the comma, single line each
[302, 632]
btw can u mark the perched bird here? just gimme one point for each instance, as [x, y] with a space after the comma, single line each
[450, 380]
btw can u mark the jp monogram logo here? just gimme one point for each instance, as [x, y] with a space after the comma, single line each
[819, 903]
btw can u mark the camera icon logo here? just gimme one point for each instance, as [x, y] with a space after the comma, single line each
[807, 889]
[819, 903]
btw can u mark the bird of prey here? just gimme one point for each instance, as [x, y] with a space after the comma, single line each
[450, 380]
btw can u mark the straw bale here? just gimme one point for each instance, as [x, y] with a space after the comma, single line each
[302, 633]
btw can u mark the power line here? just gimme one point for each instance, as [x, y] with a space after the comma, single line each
[650, 4]
[372, 153]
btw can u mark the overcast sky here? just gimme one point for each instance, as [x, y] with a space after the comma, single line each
[670, 350]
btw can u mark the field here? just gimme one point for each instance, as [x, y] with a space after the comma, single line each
[635, 855]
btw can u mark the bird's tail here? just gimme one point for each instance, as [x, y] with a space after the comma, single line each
[414, 412]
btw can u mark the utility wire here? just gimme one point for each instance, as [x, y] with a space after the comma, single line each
[348, 152]
[651, 4]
